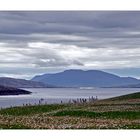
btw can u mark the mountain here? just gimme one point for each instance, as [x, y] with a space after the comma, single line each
[21, 83]
[4, 90]
[129, 86]
[80, 78]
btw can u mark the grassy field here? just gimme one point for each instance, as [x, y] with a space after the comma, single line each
[115, 113]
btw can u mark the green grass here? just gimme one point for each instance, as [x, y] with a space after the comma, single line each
[126, 97]
[134, 126]
[111, 114]
[30, 110]
[15, 126]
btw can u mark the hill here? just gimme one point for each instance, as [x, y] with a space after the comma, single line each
[131, 96]
[79, 78]
[21, 83]
[12, 91]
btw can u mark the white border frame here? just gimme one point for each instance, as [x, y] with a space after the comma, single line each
[69, 5]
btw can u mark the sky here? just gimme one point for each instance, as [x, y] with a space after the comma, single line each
[34, 43]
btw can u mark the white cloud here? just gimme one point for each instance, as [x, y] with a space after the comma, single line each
[53, 55]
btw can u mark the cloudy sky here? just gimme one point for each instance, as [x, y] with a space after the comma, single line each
[40, 42]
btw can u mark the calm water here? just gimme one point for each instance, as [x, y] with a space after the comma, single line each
[55, 95]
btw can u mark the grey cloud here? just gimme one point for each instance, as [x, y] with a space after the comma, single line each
[84, 39]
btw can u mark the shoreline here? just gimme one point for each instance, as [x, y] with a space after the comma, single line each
[55, 96]
[121, 112]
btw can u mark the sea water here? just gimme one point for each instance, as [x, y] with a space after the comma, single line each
[61, 95]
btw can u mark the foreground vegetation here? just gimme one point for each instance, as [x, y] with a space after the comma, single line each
[115, 113]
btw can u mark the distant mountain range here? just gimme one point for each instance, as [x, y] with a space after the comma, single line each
[21, 83]
[89, 78]
[4, 90]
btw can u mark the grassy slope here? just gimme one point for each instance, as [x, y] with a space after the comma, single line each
[118, 112]
[127, 97]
